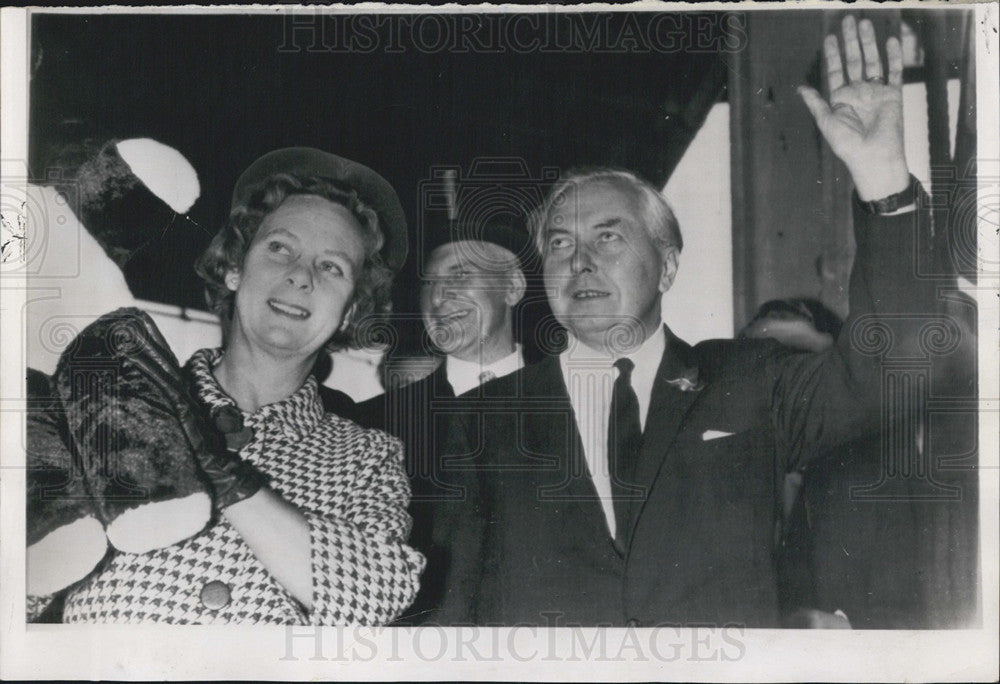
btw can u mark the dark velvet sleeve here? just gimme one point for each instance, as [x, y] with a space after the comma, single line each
[821, 401]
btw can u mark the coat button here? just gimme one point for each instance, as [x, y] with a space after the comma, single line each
[215, 595]
[633, 622]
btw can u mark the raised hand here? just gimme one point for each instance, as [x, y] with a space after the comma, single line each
[863, 122]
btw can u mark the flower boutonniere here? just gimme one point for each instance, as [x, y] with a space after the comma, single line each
[688, 382]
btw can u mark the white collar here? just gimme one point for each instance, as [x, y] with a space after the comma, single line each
[589, 376]
[646, 358]
[465, 375]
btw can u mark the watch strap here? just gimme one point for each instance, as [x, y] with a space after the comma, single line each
[887, 205]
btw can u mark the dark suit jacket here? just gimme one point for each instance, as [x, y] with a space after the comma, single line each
[335, 401]
[532, 545]
[899, 552]
[861, 553]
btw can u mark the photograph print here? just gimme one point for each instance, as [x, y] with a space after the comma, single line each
[493, 318]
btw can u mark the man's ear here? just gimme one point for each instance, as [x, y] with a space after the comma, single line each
[232, 280]
[516, 287]
[670, 260]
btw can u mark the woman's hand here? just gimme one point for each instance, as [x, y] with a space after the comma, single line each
[278, 534]
[232, 478]
[863, 122]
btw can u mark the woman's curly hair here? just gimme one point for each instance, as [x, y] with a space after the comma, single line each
[228, 249]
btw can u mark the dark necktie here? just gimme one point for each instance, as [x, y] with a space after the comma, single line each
[624, 440]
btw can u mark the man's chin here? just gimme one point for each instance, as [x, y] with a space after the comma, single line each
[451, 339]
[612, 333]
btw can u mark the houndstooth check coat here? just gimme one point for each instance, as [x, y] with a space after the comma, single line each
[350, 484]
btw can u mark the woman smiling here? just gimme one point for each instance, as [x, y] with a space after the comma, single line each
[311, 515]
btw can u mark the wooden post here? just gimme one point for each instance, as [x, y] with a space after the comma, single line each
[792, 232]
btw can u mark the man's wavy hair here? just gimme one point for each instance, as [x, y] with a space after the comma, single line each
[229, 247]
[656, 215]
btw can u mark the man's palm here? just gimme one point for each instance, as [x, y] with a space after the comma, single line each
[863, 122]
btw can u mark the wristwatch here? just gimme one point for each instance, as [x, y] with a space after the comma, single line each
[892, 203]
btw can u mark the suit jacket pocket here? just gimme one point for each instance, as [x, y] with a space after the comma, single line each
[727, 469]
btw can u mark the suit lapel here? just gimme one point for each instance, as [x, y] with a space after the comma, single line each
[676, 389]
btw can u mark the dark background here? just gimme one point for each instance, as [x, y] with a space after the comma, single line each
[225, 89]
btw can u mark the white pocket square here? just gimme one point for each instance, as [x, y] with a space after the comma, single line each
[714, 434]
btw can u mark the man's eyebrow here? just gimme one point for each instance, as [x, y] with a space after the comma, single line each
[457, 267]
[609, 222]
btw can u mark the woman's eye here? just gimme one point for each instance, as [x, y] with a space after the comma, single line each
[331, 267]
[558, 243]
[278, 247]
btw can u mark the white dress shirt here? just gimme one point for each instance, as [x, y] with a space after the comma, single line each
[590, 376]
[466, 375]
